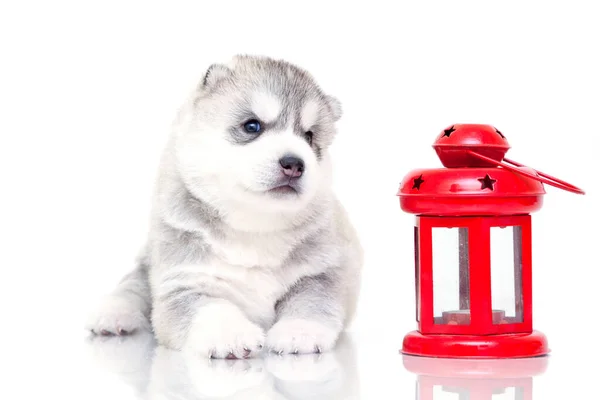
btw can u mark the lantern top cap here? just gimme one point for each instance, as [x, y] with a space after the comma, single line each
[484, 146]
[477, 179]
[455, 144]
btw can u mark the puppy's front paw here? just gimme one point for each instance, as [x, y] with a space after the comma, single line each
[117, 315]
[300, 336]
[221, 330]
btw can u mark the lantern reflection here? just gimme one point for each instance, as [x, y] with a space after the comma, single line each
[468, 379]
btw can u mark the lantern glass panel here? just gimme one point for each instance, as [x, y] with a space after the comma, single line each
[450, 264]
[506, 274]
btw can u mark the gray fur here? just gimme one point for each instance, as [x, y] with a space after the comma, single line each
[227, 266]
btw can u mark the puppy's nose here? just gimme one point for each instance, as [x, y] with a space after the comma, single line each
[292, 166]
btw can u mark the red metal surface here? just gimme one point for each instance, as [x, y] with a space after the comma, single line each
[449, 206]
[463, 317]
[481, 315]
[453, 143]
[537, 175]
[475, 191]
[458, 191]
[475, 180]
[513, 345]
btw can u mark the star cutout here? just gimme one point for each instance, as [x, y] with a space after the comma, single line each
[417, 182]
[448, 132]
[487, 182]
[500, 133]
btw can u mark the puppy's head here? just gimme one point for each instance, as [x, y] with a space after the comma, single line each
[258, 136]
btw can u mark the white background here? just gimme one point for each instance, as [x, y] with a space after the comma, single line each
[88, 90]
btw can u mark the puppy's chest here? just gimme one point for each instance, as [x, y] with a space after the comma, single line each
[263, 267]
[262, 283]
[252, 250]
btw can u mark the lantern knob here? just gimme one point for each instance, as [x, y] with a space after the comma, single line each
[455, 144]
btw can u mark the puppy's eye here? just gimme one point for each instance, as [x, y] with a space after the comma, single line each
[252, 126]
[309, 137]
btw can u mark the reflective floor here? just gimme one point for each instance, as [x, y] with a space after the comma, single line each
[155, 372]
[135, 368]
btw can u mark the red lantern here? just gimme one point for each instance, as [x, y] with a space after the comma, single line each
[473, 248]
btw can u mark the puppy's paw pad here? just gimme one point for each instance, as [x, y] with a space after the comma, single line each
[116, 316]
[224, 334]
[300, 336]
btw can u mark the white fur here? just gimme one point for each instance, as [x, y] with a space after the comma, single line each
[266, 106]
[220, 329]
[254, 289]
[116, 314]
[234, 176]
[309, 115]
[301, 336]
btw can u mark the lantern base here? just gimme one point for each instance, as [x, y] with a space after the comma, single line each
[515, 345]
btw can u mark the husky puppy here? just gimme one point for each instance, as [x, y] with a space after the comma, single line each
[248, 246]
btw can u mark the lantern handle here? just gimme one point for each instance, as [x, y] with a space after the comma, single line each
[550, 180]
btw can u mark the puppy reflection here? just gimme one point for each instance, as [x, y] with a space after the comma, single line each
[128, 357]
[160, 373]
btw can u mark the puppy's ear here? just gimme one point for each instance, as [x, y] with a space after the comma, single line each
[214, 74]
[336, 107]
